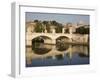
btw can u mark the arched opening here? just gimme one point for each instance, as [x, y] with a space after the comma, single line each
[62, 43]
[40, 45]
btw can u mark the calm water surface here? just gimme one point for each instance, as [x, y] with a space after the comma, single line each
[41, 54]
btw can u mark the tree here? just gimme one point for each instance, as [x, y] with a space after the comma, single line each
[39, 27]
[59, 28]
[47, 25]
[53, 23]
[36, 21]
[82, 30]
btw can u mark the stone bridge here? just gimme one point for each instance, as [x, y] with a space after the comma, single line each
[54, 36]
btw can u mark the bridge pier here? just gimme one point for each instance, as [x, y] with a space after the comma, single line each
[53, 41]
[29, 42]
[70, 39]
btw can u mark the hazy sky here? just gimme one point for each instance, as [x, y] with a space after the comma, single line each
[61, 18]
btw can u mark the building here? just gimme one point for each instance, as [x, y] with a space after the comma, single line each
[30, 26]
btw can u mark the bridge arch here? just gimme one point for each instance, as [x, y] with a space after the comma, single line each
[62, 39]
[38, 44]
[41, 35]
[42, 38]
[61, 43]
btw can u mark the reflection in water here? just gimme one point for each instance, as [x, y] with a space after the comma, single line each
[83, 55]
[59, 57]
[61, 46]
[41, 54]
[40, 48]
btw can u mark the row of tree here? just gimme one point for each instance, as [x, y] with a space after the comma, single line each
[48, 25]
[82, 30]
[41, 26]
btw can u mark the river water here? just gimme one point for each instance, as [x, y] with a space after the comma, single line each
[41, 54]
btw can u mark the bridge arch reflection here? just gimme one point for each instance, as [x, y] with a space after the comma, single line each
[54, 53]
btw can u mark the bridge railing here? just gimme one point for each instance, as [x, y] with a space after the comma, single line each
[51, 31]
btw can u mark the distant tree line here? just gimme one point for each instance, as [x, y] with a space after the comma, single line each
[82, 30]
[41, 26]
[48, 25]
